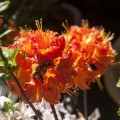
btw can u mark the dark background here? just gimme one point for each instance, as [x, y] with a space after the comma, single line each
[97, 12]
[101, 12]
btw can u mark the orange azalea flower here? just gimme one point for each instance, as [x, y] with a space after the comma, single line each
[44, 45]
[91, 50]
[35, 50]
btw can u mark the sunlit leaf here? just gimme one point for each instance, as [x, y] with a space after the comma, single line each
[4, 5]
[5, 33]
[10, 55]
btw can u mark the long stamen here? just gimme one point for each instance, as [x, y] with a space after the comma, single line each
[65, 25]
[39, 24]
[85, 24]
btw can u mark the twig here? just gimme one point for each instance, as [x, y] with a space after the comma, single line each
[85, 105]
[54, 112]
[20, 88]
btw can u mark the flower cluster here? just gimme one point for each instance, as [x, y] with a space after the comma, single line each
[50, 64]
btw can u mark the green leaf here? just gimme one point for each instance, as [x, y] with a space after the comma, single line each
[4, 5]
[118, 83]
[9, 65]
[10, 55]
[5, 33]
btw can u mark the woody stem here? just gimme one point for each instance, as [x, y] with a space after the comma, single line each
[20, 87]
[54, 112]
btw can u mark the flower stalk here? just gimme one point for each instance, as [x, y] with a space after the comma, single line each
[54, 112]
[85, 105]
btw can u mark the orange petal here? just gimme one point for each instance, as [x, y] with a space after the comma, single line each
[80, 81]
[51, 95]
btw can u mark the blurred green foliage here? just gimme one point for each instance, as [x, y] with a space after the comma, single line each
[4, 5]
